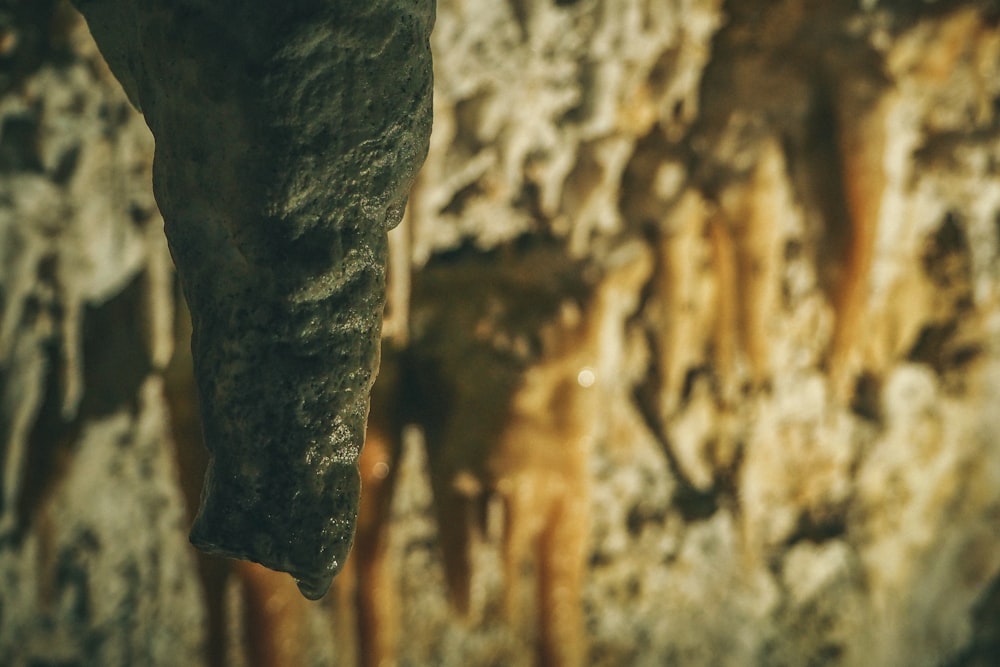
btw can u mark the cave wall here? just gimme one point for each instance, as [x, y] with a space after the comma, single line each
[690, 355]
[94, 561]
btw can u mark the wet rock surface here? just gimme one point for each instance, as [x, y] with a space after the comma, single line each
[287, 136]
[691, 351]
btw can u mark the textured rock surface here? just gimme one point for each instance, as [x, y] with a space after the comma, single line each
[701, 350]
[795, 460]
[287, 137]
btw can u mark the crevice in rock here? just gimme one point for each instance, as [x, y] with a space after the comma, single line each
[693, 503]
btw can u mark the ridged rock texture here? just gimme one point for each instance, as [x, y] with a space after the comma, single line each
[691, 354]
[287, 137]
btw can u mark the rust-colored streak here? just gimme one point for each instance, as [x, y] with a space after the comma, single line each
[510, 391]
[727, 308]
[541, 468]
[862, 145]
[561, 548]
[455, 515]
[685, 290]
[274, 611]
[541, 464]
[759, 264]
[375, 594]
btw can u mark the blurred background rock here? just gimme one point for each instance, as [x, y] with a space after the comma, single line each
[690, 358]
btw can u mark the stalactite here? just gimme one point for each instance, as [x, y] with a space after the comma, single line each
[782, 454]
[287, 136]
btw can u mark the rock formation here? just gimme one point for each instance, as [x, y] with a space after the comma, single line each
[690, 355]
[287, 137]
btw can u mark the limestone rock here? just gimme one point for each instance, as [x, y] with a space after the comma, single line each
[695, 366]
[94, 564]
[287, 136]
